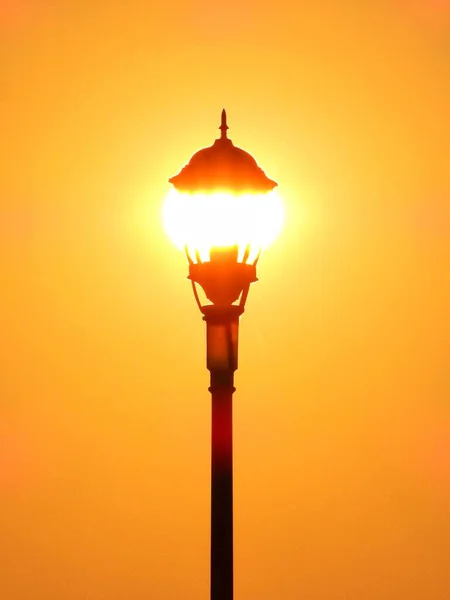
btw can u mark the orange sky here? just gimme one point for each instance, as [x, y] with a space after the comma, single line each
[342, 414]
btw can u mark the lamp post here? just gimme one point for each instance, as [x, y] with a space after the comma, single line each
[222, 210]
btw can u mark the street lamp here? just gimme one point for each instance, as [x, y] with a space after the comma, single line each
[222, 211]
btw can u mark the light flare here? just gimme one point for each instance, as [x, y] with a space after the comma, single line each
[200, 221]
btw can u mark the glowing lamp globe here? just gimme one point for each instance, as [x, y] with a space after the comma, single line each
[222, 211]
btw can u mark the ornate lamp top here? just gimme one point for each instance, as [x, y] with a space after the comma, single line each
[222, 166]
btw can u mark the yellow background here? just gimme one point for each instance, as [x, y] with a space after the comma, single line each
[342, 414]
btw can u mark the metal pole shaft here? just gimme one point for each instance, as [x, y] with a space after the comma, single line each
[222, 486]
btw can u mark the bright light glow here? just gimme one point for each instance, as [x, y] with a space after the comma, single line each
[201, 221]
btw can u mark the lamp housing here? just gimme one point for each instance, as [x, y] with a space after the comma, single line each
[222, 211]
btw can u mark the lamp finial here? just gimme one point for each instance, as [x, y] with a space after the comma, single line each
[223, 126]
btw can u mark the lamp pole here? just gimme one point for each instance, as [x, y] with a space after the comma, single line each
[224, 272]
[222, 279]
[222, 363]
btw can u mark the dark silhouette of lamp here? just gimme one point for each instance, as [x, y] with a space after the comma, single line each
[223, 210]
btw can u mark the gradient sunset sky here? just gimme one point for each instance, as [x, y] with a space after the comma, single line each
[342, 409]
